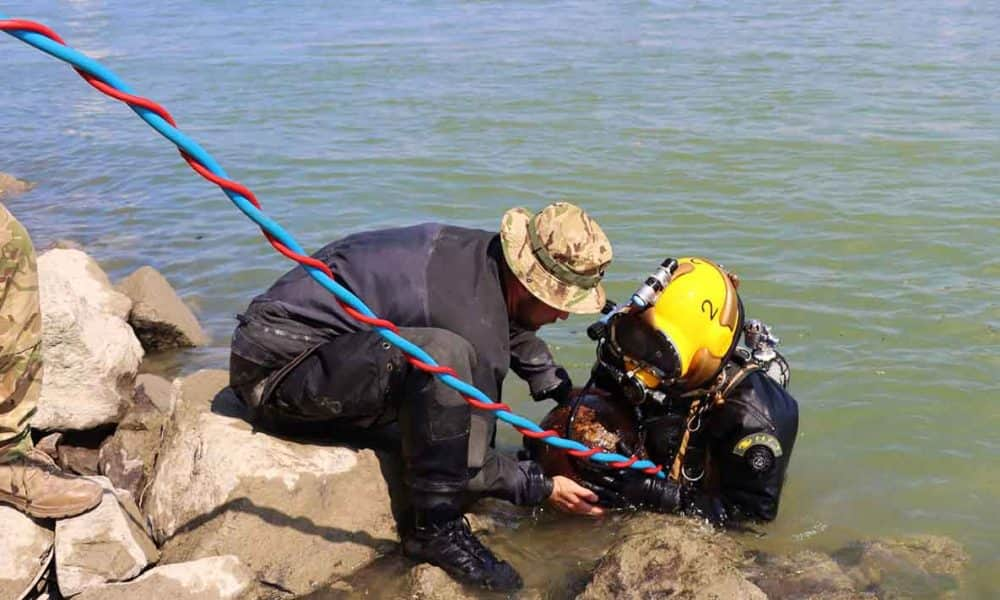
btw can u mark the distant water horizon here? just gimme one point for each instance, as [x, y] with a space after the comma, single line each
[841, 157]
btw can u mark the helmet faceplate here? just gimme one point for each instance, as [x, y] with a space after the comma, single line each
[690, 330]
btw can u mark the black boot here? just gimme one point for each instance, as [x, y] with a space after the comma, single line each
[445, 540]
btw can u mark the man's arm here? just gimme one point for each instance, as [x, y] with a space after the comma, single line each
[531, 359]
[518, 482]
[523, 483]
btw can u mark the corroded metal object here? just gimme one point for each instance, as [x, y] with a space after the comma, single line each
[599, 423]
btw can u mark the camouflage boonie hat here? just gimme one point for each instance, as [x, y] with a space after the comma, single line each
[559, 254]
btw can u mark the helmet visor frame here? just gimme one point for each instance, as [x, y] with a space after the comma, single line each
[638, 341]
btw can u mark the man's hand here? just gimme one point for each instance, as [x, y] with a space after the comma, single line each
[571, 497]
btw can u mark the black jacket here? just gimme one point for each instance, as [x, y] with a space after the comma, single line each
[428, 275]
[750, 439]
[746, 443]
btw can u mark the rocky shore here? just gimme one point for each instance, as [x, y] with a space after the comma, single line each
[199, 505]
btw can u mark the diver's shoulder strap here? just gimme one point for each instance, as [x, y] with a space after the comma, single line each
[688, 456]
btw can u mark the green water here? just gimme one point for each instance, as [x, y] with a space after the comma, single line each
[841, 157]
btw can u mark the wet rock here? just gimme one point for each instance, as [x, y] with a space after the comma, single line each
[11, 186]
[213, 578]
[427, 582]
[91, 354]
[106, 544]
[297, 514]
[927, 565]
[489, 515]
[805, 574]
[25, 552]
[128, 457]
[159, 317]
[659, 556]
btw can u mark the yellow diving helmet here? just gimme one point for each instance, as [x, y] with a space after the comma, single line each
[684, 336]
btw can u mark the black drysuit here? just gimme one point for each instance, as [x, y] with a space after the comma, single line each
[746, 442]
[298, 358]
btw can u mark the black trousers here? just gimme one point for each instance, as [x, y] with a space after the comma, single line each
[359, 381]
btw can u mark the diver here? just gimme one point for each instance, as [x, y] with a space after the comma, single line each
[672, 384]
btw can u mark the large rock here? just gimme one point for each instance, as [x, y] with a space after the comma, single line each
[297, 514]
[25, 552]
[106, 544]
[159, 391]
[80, 460]
[805, 574]
[159, 317]
[214, 578]
[127, 458]
[927, 565]
[662, 556]
[91, 354]
[12, 186]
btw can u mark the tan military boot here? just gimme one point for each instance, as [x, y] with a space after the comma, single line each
[34, 485]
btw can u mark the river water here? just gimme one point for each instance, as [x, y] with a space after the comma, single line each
[841, 156]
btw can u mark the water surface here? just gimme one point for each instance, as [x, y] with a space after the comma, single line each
[842, 157]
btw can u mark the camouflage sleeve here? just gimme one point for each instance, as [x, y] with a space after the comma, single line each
[20, 330]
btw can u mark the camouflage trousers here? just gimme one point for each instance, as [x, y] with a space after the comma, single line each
[20, 336]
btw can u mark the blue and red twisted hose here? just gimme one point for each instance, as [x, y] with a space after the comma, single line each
[41, 37]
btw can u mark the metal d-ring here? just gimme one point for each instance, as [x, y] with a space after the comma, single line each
[692, 479]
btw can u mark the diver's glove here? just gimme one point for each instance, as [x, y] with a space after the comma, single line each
[632, 489]
[707, 507]
[629, 488]
[661, 495]
[557, 386]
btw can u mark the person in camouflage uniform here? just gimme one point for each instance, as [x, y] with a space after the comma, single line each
[29, 480]
[473, 300]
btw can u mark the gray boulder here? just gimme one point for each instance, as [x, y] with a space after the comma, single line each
[214, 578]
[128, 457]
[159, 317]
[25, 553]
[660, 556]
[91, 354]
[298, 515]
[106, 544]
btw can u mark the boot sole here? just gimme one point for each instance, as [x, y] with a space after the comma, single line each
[45, 513]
